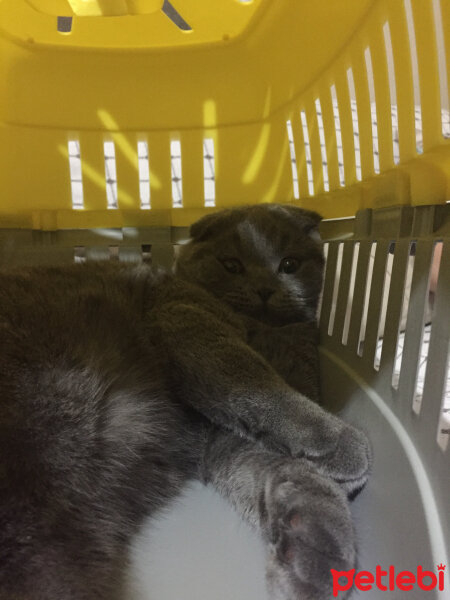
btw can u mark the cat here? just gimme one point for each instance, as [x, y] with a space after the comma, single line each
[119, 383]
[271, 280]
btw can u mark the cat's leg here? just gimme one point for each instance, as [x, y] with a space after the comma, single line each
[303, 517]
[292, 351]
[214, 370]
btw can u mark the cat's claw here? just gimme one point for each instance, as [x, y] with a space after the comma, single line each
[310, 532]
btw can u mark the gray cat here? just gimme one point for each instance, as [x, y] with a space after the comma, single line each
[119, 383]
[254, 260]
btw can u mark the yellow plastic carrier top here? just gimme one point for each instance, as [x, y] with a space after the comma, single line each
[121, 113]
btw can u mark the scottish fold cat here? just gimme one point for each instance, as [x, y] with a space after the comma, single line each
[118, 384]
[266, 263]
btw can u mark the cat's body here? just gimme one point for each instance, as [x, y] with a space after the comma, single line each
[84, 422]
[117, 385]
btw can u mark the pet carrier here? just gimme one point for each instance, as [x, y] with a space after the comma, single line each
[123, 121]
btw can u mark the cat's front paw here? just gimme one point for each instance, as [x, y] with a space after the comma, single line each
[335, 448]
[310, 532]
[349, 463]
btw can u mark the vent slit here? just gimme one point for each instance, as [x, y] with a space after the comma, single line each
[443, 435]
[373, 110]
[293, 159]
[403, 316]
[144, 175]
[442, 63]
[209, 172]
[76, 176]
[427, 326]
[146, 253]
[352, 91]
[384, 303]
[113, 252]
[415, 74]
[392, 91]
[335, 288]
[351, 290]
[64, 24]
[175, 16]
[177, 183]
[79, 254]
[362, 330]
[307, 153]
[325, 256]
[110, 174]
[337, 125]
[326, 183]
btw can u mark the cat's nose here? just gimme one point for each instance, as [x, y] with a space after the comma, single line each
[264, 294]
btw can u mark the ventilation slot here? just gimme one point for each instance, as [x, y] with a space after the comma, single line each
[443, 435]
[177, 183]
[403, 316]
[351, 89]
[209, 172]
[144, 175]
[362, 330]
[392, 91]
[175, 16]
[146, 253]
[113, 252]
[415, 74]
[64, 24]
[325, 256]
[384, 303]
[79, 254]
[307, 153]
[337, 125]
[443, 81]
[427, 325]
[111, 174]
[76, 178]
[373, 110]
[351, 291]
[326, 184]
[293, 159]
[337, 278]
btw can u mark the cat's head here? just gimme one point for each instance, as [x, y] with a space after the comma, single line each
[265, 261]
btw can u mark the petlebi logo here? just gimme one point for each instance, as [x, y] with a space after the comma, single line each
[389, 579]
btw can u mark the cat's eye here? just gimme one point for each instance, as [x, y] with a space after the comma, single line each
[233, 265]
[289, 265]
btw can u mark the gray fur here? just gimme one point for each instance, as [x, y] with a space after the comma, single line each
[283, 327]
[117, 385]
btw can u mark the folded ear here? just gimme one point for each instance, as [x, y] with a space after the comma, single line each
[307, 220]
[212, 224]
